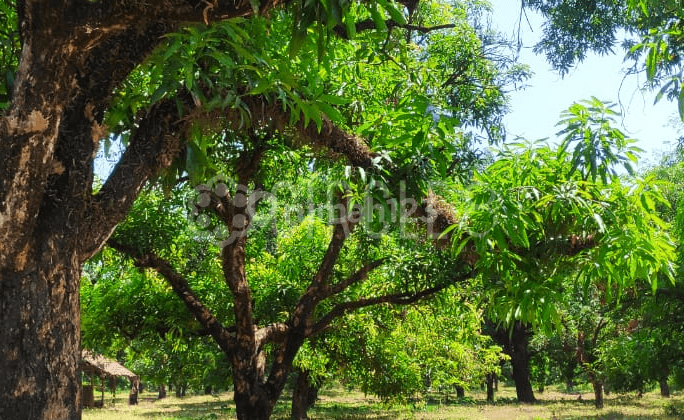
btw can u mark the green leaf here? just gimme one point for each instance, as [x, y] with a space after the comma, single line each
[599, 222]
[651, 62]
[394, 12]
[332, 113]
[311, 112]
[334, 99]
[377, 17]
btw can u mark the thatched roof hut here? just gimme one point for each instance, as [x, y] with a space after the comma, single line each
[97, 365]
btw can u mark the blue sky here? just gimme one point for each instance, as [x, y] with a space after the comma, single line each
[535, 110]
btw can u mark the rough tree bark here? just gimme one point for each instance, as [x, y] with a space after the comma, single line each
[520, 360]
[73, 56]
[598, 392]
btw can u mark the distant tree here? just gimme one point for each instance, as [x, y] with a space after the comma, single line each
[648, 350]
[435, 347]
[649, 346]
[538, 216]
[128, 313]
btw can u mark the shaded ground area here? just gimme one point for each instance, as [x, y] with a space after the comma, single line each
[338, 404]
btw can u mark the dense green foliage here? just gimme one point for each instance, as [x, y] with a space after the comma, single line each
[554, 234]
[539, 216]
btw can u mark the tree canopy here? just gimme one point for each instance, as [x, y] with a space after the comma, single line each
[377, 99]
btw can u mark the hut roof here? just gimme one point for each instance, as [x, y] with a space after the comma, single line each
[97, 364]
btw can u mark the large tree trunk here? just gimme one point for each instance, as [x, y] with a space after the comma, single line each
[252, 402]
[520, 360]
[50, 221]
[664, 388]
[304, 396]
[515, 344]
[133, 394]
[598, 394]
[40, 343]
[521, 377]
[490, 387]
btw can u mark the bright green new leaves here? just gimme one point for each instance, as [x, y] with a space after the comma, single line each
[126, 311]
[597, 146]
[399, 353]
[536, 217]
[418, 97]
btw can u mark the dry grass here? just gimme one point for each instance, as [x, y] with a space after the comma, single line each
[339, 404]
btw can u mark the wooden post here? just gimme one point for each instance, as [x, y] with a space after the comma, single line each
[114, 378]
[102, 390]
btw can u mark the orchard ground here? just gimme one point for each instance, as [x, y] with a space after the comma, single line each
[340, 404]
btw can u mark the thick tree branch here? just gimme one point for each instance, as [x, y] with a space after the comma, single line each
[175, 11]
[272, 333]
[369, 25]
[183, 290]
[233, 252]
[270, 114]
[433, 211]
[320, 288]
[233, 265]
[153, 146]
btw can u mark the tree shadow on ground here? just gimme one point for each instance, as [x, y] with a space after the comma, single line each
[204, 410]
[222, 409]
[566, 406]
[338, 404]
[351, 412]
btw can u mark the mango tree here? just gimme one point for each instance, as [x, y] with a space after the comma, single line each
[649, 347]
[67, 71]
[539, 215]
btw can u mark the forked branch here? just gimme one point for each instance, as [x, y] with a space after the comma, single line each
[153, 146]
[405, 298]
[182, 289]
